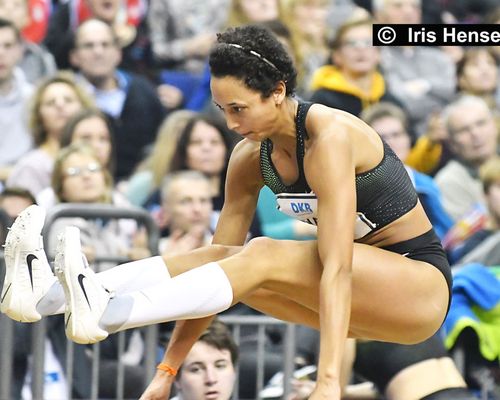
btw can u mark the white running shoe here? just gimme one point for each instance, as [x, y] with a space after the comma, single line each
[28, 274]
[86, 298]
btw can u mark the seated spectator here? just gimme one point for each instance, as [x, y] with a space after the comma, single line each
[477, 75]
[209, 369]
[79, 177]
[484, 245]
[89, 126]
[125, 17]
[391, 123]
[54, 102]
[432, 150]
[351, 81]
[129, 99]
[150, 173]
[14, 95]
[422, 78]
[92, 127]
[186, 212]
[36, 62]
[473, 135]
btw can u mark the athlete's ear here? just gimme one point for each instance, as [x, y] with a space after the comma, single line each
[279, 93]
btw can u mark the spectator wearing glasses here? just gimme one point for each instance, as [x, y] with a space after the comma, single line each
[79, 177]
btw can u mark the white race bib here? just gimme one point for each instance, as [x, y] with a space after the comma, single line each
[304, 207]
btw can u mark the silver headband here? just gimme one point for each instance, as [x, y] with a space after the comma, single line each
[254, 53]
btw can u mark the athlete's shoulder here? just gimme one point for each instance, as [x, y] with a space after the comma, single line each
[246, 150]
[244, 165]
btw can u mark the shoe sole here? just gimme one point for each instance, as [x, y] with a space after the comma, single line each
[13, 300]
[76, 324]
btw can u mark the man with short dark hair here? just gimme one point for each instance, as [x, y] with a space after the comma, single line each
[15, 91]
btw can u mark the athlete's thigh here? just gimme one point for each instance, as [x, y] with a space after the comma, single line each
[395, 298]
[392, 296]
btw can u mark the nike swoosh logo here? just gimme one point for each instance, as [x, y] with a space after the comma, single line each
[29, 260]
[5, 294]
[67, 321]
[81, 277]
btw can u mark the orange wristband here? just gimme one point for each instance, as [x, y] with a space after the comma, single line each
[168, 369]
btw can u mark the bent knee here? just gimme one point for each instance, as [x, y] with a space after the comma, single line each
[262, 244]
[222, 251]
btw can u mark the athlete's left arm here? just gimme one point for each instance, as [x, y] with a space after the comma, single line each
[330, 172]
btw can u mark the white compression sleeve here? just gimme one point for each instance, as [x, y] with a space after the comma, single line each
[122, 279]
[135, 275]
[197, 293]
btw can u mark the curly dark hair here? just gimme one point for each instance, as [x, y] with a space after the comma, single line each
[259, 73]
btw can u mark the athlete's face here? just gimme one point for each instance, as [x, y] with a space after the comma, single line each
[245, 111]
[207, 374]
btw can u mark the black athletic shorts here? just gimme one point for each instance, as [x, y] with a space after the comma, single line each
[426, 247]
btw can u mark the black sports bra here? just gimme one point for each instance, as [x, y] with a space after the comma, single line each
[383, 194]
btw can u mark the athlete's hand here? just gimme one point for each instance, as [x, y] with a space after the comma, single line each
[159, 388]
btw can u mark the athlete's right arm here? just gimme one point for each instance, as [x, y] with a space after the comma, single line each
[243, 184]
